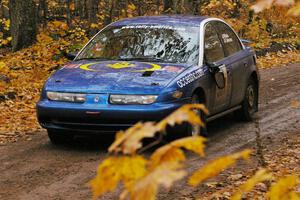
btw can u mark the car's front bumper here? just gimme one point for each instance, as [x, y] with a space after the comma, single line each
[103, 118]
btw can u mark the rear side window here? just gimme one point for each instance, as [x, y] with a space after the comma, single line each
[213, 50]
[231, 42]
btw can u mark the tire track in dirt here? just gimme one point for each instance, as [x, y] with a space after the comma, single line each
[37, 170]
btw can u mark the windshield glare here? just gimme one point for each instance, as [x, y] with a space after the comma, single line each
[145, 42]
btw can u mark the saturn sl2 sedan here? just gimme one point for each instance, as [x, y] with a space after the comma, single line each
[144, 68]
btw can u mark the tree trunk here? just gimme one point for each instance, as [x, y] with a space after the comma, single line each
[109, 17]
[23, 23]
[80, 6]
[43, 11]
[68, 12]
[92, 10]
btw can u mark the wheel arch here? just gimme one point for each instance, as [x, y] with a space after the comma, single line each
[255, 77]
[201, 94]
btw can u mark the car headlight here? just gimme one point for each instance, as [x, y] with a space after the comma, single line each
[68, 97]
[132, 99]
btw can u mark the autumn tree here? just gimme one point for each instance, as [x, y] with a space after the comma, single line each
[23, 23]
[183, 7]
[43, 11]
[92, 10]
[80, 8]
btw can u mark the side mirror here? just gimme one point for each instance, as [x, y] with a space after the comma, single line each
[71, 55]
[213, 67]
[219, 72]
[220, 79]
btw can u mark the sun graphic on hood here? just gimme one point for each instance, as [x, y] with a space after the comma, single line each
[141, 67]
[120, 65]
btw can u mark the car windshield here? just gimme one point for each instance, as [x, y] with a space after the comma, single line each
[153, 43]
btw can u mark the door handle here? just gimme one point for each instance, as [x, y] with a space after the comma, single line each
[245, 64]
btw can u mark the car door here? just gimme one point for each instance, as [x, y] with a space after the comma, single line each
[237, 60]
[214, 53]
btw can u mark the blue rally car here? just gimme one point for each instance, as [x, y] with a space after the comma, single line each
[144, 68]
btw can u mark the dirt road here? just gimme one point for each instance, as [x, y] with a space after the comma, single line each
[37, 170]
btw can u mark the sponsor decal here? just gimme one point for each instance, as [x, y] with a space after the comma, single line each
[71, 66]
[226, 38]
[122, 65]
[189, 78]
[172, 69]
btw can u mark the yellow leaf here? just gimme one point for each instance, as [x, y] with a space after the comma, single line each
[2, 65]
[6, 24]
[165, 175]
[60, 25]
[5, 42]
[295, 10]
[131, 7]
[115, 169]
[215, 167]
[194, 143]
[184, 114]
[281, 190]
[172, 151]
[260, 176]
[93, 25]
[130, 140]
[43, 38]
[166, 153]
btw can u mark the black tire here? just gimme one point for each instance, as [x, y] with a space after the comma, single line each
[196, 129]
[250, 102]
[59, 137]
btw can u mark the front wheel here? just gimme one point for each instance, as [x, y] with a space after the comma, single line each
[250, 102]
[58, 137]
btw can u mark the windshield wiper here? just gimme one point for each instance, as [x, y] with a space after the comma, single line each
[142, 59]
[148, 59]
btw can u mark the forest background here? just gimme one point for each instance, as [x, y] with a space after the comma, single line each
[35, 36]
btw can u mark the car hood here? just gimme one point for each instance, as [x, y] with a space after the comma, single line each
[114, 77]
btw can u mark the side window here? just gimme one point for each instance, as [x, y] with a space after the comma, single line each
[229, 39]
[213, 50]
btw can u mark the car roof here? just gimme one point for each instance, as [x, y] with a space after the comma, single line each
[172, 20]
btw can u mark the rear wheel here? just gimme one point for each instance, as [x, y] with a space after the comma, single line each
[196, 129]
[250, 102]
[59, 137]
